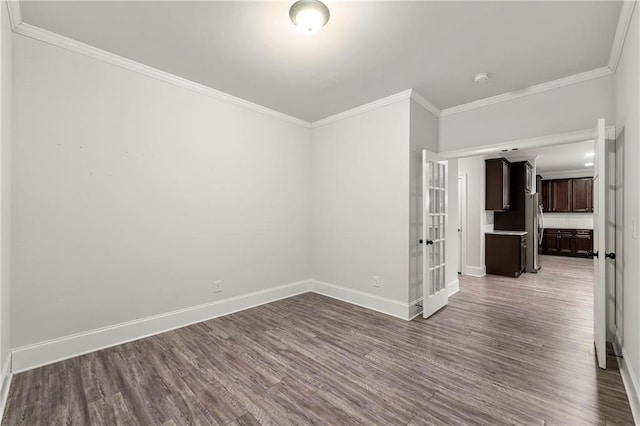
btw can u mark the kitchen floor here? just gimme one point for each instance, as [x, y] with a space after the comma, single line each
[504, 351]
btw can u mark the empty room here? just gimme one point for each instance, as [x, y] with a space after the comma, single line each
[319, 212]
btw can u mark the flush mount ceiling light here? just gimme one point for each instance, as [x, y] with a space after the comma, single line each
[309, 15]
[589, 154]
[588, 164]
[481, 77]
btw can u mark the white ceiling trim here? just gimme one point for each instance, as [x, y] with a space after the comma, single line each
[624, 20]
[119, 61]
[363, 108]
[425, 103]
[15, 14]
[531, 90]
[20, 27]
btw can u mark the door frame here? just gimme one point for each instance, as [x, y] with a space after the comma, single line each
[541, 142]
[619, 248]
[521, 144]
[462, 212]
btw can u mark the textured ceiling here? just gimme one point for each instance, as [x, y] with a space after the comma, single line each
[367, 51]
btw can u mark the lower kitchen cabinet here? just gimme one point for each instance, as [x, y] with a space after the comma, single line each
[584, 242]
[505, 254]
[567, 242]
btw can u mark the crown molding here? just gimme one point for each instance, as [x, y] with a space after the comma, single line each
[15, 14]
[128, 64]
[363, 108]
[37, 33]
[531, 90]
[624, 20]
[424, 103]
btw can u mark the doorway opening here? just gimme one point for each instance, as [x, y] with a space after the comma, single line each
[561, 171]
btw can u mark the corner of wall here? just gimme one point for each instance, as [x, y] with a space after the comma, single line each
[5, 380]
[6, 144]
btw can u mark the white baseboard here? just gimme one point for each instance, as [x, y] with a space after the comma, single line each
[475, 271]
[6, 384]
[54, 350]
[38, 354]
[366, 300]
[630, 381]
[453, 287]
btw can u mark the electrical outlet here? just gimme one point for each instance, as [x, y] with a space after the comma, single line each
[376, 281]
[217, 286]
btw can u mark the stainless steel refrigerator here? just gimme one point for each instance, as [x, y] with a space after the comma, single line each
[535, 228]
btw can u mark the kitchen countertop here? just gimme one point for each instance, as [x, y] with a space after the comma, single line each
[507, 232]
[568, 228]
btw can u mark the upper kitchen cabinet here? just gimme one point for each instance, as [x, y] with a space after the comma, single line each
[581, 195]
[497, 184]
[521, 180]
[561, 195]
[567, 195]
[545, 191]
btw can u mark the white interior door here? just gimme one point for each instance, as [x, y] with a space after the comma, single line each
[611, 264]
[434, 195]
[599, 246]
[460, 189]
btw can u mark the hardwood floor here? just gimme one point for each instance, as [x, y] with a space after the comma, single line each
[505, 351]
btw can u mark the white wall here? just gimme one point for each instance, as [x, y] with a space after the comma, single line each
[360, 201]
[627, 113]
[131, 196]
[479, 220]
[571, 108]
[6, 58]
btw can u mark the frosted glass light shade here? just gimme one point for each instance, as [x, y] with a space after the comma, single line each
[309, 15]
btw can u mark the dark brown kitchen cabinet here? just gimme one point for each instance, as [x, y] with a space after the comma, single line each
[561, 195]
[583, 242]
[567, 242]
[567, 195]
[545, 190]
[538, 184]
[581, 195]
[514, 218]
[497, 184]
[505, 254]
[550, 243]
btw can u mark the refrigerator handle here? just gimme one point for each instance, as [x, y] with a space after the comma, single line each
[541, 224]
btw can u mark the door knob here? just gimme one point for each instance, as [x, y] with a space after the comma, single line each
[591, 253]
[611, 256]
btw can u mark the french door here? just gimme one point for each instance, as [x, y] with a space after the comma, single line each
[434, 220]
[604, 218]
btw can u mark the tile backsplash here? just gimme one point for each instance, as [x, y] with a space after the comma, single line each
[568, 220]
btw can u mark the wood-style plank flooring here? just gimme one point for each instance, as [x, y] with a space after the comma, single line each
[505, 351]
